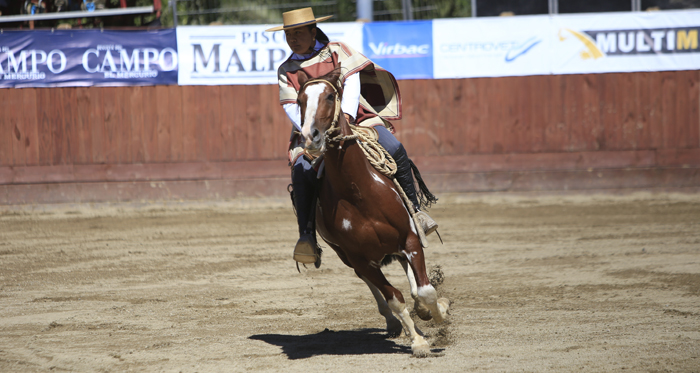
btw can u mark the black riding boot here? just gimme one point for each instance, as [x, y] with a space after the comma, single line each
[404, 176]
[305, 184]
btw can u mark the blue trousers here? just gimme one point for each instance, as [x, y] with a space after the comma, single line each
[305, 183]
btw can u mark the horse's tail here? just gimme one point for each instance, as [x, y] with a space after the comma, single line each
[425, 198]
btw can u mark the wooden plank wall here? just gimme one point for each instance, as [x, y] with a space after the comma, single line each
[561, 113]
[155, 124]
[465, 127]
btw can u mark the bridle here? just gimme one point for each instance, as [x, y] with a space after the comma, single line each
[336, 117]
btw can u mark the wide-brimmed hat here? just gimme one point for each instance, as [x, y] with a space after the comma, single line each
[298, 18]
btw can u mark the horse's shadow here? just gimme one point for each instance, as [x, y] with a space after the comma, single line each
[328, 342]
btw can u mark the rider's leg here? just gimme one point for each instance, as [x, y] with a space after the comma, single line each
[304, 184]
[404, 175]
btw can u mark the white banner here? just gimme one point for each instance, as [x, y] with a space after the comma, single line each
[483, 47]
[219, 55]
[467, 47]
[625, 42]
[566, 44]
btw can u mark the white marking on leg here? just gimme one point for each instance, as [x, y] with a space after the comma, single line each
[421, 310]
[411, 279]
[381, 303]
[419, 345]
[428, 294]
[393, 325]
[409, 255]
[312, 92]
[346, 224]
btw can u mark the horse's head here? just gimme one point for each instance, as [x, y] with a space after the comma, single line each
[319, 101]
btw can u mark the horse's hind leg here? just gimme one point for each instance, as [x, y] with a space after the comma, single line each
[419, 346]
[421, 309]
[425, 291]
[393, 325]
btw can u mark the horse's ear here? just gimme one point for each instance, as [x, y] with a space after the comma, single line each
[302, 78]
[334, 77]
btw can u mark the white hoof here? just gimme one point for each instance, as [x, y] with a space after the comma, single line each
[420, 348]
[443, 305]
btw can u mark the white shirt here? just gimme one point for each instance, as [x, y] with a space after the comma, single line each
[351, 93]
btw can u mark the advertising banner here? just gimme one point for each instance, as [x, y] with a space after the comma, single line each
[246, 54]
[64, 58]
[485, 47]
[349, 33]
[626, 42]
[403, 48]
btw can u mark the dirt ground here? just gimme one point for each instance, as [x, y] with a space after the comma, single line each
[568, 283]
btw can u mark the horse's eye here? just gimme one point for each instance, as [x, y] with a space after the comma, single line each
[330, 97]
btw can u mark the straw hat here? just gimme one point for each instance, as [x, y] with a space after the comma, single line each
[298, 18]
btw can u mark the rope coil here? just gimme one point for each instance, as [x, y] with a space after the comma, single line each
[377, 156]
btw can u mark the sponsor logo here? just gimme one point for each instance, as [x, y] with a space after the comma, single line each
[398, 50]
[590, 50]
[519, 50]
[612, 43]
[509, 50]
[25, 64]
[208, 59]
[112, 61]
[116, 62]
[248, 54]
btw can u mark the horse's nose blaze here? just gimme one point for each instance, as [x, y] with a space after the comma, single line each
[312, 94]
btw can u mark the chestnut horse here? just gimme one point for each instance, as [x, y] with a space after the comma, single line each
[361, 214]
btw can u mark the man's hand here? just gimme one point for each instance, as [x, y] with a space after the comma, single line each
[348, 118]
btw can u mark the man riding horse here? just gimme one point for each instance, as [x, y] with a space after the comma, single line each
[370, 98]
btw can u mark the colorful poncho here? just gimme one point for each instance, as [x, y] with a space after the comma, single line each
[380, 99]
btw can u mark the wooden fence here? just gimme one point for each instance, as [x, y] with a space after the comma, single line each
[534, 133]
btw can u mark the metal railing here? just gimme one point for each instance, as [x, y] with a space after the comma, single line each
[77, 14]
[205, 12]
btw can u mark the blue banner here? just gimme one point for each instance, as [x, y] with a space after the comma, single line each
[65, 58]
[403, 48]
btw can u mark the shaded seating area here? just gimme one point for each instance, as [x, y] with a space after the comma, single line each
[67, 14]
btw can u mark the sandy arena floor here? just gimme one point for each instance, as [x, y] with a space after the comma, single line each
[587, 283]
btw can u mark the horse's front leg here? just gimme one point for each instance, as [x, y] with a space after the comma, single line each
[393, 325]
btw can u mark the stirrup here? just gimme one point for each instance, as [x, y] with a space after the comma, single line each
[306, 251]
[426, 222]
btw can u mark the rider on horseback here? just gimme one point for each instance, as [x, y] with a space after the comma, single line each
[379, 100]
